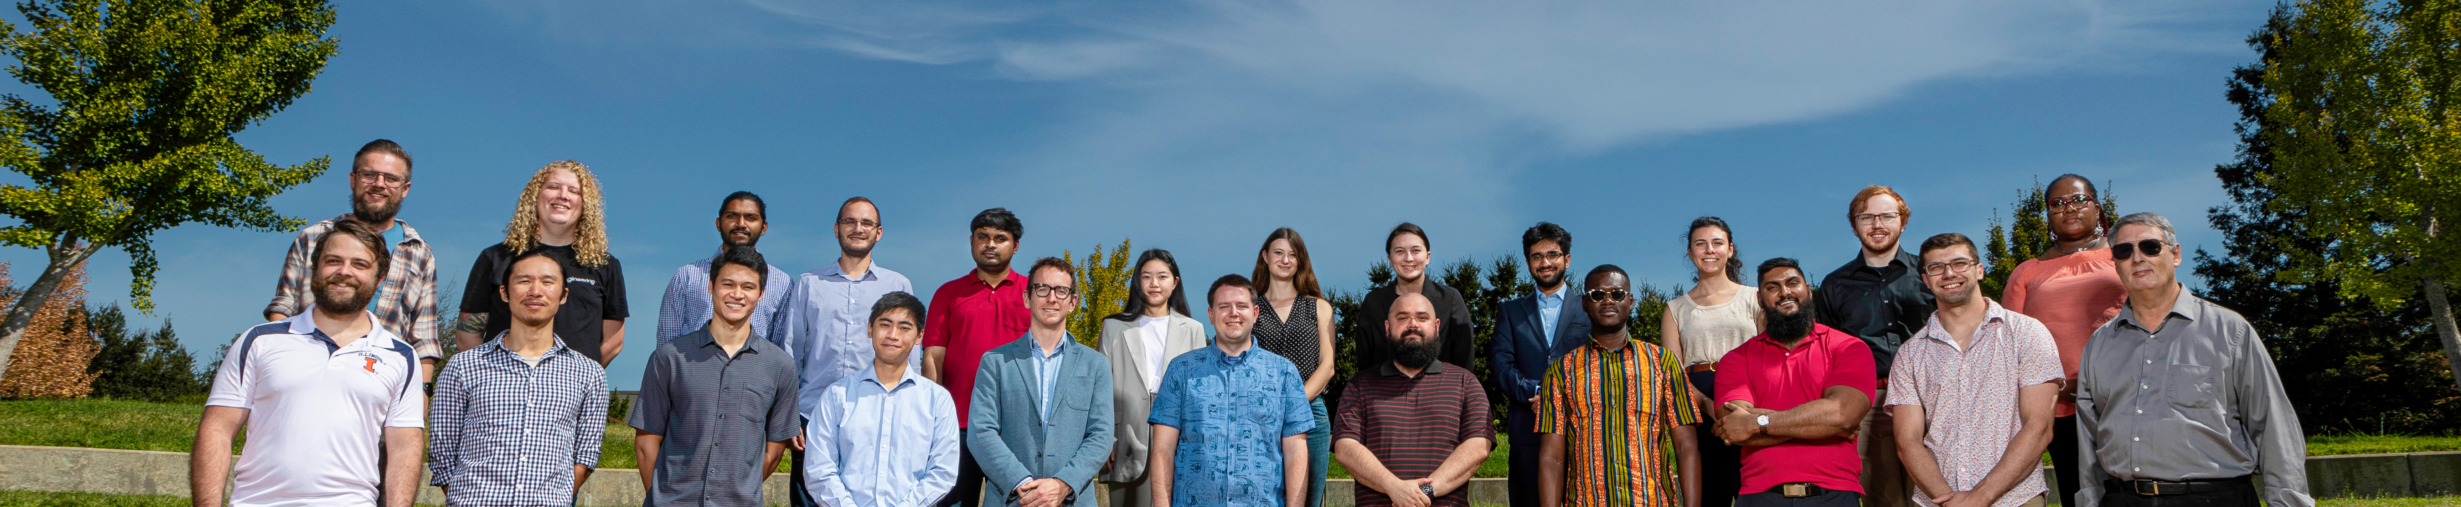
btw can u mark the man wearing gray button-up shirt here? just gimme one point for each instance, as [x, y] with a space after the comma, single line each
[2185, 406]
[718, 404]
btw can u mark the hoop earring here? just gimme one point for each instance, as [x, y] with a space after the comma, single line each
[2098, 233]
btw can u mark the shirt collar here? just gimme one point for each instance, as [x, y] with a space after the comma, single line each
[912, 377]
[409, 235]
[2188, 306]
[1557, 298]
[834, 271]
[1819, 332]
[1992, 313]
[1903, 260]
[304, 324]
[704, 338]
[496, 344]
[1390, 370]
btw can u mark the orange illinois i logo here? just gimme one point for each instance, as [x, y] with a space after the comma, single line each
[371, 364]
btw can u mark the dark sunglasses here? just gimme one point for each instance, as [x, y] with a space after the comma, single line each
[2123, 251]
[1608, 295]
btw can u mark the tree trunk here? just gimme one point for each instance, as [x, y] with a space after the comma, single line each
[65, 256]
[2439, 311]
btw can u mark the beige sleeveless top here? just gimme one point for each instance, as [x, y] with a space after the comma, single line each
[1710, 331]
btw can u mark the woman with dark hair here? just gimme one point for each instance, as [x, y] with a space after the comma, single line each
[1296, 323]
[1140, 342]
[1718, 314]
[2073, 288]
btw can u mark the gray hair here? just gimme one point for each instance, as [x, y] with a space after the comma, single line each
[2149, 219]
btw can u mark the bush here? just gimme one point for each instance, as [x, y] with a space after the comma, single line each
[145, 365]
[51, 359]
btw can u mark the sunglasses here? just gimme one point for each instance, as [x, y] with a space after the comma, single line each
[1608, 295]
[2123, 251]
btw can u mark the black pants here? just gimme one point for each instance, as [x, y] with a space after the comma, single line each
[969, 488]
[2242, 494]
[1520, 427]
[1832, 498]
[2065, 460]
[1721, 475]
[795, 495]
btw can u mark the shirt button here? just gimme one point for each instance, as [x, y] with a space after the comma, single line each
[2140, 411]
[2136, 439]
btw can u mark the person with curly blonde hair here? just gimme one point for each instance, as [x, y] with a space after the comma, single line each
[559, 212]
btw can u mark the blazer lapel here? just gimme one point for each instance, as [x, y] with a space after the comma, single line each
[1135, 350]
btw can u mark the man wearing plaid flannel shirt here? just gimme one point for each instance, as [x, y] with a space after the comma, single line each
[405, 301]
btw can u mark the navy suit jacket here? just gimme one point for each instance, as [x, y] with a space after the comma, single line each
[1523, 351]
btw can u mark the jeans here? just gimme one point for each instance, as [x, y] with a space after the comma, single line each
[1319, 452]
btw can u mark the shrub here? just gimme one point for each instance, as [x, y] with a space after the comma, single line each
[50, 361]
[145, 365]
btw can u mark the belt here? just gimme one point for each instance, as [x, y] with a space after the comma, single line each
[1798, 490]
[2148, 487]
[1697, 368]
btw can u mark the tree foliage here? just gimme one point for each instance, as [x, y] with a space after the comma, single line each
[51, 362]
[141, 365]
[134, 135]
[1103, 289]
[2362, 107]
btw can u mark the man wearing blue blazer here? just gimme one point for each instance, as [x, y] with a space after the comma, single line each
[1041, 422]
[1532, 332]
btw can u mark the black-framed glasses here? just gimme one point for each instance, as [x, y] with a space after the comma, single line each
[1548, 256]
[1871, 218]
[1044, 291]
[2123, 251]
[1603, 295]
[1942, 268]
[2071, 202]
[388, 179]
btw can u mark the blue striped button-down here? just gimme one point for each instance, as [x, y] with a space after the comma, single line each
[823, 325]
[687, 306]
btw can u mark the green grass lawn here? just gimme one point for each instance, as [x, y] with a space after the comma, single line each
[2388, 502]
[2336, 445]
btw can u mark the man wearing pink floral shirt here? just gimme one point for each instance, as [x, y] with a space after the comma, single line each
[1973, 392]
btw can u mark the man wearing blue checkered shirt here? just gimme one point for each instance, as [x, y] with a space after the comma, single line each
[518, 420]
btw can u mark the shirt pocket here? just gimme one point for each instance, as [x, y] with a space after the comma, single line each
[2190, 386]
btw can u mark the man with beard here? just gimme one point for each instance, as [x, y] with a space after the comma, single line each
[717, 405]
[1531, 332]
[1792, 398]
[823, 324]
[1605, 407]
[519, 418]
[1973, 391]
[317, 392]
[971, 315]
[1413, 431]
[1042, 421]
[1230, 421]
[1879, 298]
[404, 299]
[1407, 250]
[2177, 402]
[742, 218]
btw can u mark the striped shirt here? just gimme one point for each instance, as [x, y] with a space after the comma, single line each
[1614, 408]
[405, 301]
[1411, 424]
[504, 432]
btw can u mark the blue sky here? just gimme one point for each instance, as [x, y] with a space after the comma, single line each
[1199, 126]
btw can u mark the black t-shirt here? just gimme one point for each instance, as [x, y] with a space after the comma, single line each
[596, 295]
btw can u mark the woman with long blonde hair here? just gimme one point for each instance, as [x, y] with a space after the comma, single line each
[560, 212]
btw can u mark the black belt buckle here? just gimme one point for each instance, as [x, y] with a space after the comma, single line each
[1795, 489]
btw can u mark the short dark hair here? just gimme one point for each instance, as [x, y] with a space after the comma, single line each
[504, 275]
[385, 146]
[1000, 219]
[739, 195]
[899, 300]
[1775, 263]
[1544, 231]
[1949, 239]
[1053, 263]
[366, 235]
[1230, 280]
[741, 255]
[1410, 229]
[1607, 268]
[2089, 186]
[850, 201]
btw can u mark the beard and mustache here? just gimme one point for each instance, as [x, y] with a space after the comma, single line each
[330, 301]
[1788, 327]
[1415, 354]
[371, 214]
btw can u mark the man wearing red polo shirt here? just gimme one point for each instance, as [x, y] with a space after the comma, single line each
[1792, 398]
[972, 315]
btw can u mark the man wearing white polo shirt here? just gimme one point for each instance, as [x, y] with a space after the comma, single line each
[326, 397]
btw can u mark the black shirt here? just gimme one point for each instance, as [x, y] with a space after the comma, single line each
[1375, 350]
[1884, 306]
[595, 295]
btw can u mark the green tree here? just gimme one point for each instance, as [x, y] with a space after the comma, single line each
[2350, 366]
[136, 133]
[144, 365]
[2363, 117]
[1102, 290]
[1348, 317]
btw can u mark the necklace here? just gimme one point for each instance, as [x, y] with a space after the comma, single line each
[2089, 245]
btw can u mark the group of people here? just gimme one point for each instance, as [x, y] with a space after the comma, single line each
[1899, 384]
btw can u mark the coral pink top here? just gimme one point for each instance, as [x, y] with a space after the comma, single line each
[2072, 295]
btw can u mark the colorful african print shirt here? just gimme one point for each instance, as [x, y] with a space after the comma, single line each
[1614, 408]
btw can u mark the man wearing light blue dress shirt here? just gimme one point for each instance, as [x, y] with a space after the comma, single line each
[886, 437]
[822, 322]
[742, 219]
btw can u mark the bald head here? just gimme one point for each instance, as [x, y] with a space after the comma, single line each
[1414, 329]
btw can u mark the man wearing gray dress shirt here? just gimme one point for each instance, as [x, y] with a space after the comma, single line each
[2184, 408]
[717, 405]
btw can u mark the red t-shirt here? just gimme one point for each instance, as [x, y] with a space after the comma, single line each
[1774, 377]
[970, 317]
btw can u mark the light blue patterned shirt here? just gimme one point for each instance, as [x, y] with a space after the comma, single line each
[878, 445]
[687, 306]
[1232, 413]
[825, 325]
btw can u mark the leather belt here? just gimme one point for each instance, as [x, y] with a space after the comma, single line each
[1697, 368]
[1798, 490]
[2149, 487]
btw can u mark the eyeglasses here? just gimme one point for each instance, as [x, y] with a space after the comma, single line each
[860, 223]
[1869, 218]
[1942, 268]
[2123, 251]
[388, 179]
[1601, 295]
[1044, 291]
[1548, 256]
[2071, 202]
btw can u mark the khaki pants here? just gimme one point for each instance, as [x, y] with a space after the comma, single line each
[1884, 476]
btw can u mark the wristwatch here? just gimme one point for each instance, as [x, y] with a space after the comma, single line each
[1429, 489]
[1764, 420]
